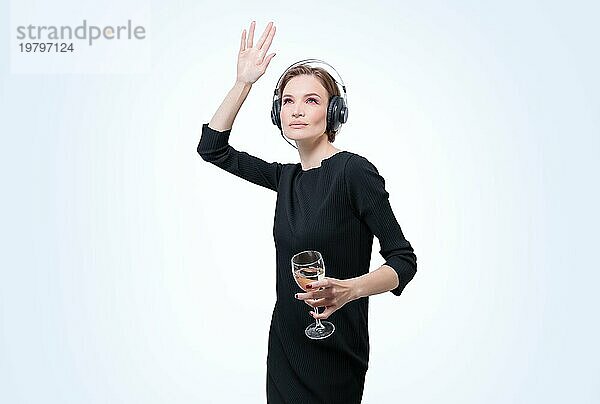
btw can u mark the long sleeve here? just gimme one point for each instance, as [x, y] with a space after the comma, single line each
[370, 202]
[214, 147]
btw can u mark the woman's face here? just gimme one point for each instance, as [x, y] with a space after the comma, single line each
[304, 100]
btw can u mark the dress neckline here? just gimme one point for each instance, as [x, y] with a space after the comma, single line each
[322, 161]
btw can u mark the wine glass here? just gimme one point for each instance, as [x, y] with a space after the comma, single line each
[307, 267]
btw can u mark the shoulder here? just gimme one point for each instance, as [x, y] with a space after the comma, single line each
[358, 167]
[289, 166]
[361, 175]
[364, 185]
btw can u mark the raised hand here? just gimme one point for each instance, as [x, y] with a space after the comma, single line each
[252, 62]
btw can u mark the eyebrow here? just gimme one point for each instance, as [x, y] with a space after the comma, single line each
[306, 95]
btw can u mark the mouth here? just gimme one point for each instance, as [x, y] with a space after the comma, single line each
[298, 126]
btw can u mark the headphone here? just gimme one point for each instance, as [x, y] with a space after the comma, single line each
[337, 108]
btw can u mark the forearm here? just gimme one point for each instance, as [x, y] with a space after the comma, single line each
[223, 119]
[383, 279]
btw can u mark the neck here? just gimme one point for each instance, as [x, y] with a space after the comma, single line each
[313, 151]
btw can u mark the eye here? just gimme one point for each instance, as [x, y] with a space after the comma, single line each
[285, 100]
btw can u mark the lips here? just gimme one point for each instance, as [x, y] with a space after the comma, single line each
[298, 125]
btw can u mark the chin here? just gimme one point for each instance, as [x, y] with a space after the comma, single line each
[298, 135]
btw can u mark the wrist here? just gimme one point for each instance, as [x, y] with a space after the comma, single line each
[243, 84]
[355, 288]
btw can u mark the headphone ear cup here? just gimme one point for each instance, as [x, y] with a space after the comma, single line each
[276, 113]
[334, 118]
[343, 112]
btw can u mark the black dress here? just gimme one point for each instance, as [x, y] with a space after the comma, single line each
[336, 209]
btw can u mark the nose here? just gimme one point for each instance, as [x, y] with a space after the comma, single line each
[296, 112]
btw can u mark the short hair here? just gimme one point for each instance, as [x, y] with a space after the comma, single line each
[326, 80]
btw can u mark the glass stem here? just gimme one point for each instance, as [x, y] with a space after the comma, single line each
[318, 325]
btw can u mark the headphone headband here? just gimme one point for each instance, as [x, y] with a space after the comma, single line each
[340, 85]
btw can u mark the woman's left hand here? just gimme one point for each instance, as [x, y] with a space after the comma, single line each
[330, 293]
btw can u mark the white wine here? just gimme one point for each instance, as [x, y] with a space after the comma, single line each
[304, 276]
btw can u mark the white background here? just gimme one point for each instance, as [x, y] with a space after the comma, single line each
[133, 271]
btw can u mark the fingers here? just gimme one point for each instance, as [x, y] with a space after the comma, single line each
[317, 294]
[325, 315]
[266, 45]
[243, 41]
[323, 283]
[251, 34]
[318, 302]
[268, 59]
[264, 36]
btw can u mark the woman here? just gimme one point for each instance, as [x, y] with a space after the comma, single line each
[333, 201]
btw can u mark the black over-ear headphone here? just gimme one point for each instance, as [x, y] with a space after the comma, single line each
[337, 108]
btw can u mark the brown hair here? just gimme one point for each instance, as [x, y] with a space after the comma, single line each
[323, 76]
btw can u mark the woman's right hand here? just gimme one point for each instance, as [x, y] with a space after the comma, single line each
[252, 62]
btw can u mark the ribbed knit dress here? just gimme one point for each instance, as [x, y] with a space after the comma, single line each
[336, 209]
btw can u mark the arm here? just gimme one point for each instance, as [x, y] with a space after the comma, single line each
[214, 147]
[370, 202]
[383, 279]
[214, 142]
[223, 119]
